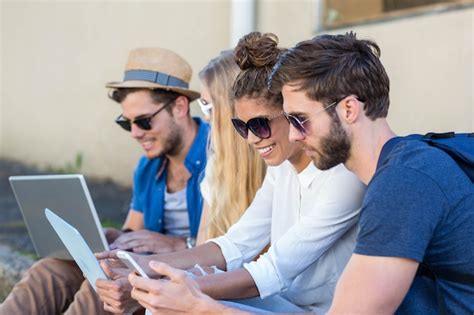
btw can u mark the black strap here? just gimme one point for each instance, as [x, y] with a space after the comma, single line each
[444, 135]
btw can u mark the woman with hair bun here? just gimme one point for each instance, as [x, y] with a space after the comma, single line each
[309, 216]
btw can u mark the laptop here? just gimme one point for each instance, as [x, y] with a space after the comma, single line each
[69, 197]
[77, 247]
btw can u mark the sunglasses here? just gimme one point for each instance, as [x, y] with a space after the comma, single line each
[143, 122]
[205, 106]
[298, 123]
[259, 126]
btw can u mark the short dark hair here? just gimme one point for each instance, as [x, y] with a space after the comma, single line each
[157, 95]
[329, 67]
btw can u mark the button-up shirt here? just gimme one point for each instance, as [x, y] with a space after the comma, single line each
[310, 219]
[149, 184]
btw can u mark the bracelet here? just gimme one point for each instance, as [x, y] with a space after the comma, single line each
[190, 242]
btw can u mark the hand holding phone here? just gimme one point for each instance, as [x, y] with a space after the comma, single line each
[131, 263]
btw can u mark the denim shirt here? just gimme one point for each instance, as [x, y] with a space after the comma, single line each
[150, 183]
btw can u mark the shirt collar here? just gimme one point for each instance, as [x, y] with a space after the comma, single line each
[196, 157]
[386, 149]
[307, 176]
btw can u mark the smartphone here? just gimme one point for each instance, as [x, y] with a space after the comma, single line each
[131, 263]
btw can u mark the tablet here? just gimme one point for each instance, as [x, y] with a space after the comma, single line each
[69, 197]
[77, 247]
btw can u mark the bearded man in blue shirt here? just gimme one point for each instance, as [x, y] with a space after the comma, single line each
[166, 205]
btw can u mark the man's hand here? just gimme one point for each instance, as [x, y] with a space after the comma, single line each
[109, 261]
[111, 234]
[145, 241]
[179, 294]
[107, 254]
[116, 292]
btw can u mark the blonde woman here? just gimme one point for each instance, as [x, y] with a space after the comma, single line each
[234, 171]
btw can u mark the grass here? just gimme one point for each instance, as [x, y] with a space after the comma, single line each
[111, 224]
[13, 225]
[31, 255]
[73, 167]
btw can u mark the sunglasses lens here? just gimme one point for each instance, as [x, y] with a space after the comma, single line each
[260, 127]
[296, 123]
[240, 127]
[206, 107]
[143, 123]
[125, 124]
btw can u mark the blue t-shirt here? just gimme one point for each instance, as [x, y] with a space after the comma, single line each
[149, 184]
[420, 205]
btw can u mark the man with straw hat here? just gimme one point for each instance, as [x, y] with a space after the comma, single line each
[166, 205]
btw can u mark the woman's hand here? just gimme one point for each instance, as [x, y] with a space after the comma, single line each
[179, 294]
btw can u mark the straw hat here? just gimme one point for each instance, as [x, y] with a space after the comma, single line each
[157, 68]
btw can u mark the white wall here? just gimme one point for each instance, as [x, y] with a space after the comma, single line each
[1, 80]
[57, 57]
[429, 60]
[291, 20]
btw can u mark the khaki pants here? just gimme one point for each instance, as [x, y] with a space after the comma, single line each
[52, 286]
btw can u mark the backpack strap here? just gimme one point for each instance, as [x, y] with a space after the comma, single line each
[444, 135]
[459, 146]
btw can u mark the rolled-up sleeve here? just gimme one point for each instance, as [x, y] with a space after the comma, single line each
[334, 209]
[206, 183]
[246, 238]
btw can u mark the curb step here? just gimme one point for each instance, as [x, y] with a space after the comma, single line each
[12, 267]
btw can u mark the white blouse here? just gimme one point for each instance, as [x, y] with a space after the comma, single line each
[206, 184]
[310, 219]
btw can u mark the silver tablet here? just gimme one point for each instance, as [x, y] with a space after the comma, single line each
[77, 247]
[69, 197]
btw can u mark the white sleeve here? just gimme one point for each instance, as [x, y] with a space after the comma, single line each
[206, 183]
[335, 210]
[248, 236]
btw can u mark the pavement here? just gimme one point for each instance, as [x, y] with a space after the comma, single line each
[16, 249]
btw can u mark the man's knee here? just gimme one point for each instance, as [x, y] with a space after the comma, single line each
[52, 267]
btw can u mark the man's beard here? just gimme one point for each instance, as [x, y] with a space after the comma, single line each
[334, 148]
[173, 143]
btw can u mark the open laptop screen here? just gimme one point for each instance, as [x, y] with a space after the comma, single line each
[69, 196]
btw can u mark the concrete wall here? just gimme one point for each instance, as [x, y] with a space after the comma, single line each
[56, 57]
[1, 80]
[292, 21]
[429, 59]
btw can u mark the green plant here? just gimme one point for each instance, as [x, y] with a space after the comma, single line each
[69, 168]
[31, 255]
[106, 223]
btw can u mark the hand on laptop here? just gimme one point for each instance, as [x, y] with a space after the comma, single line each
[111, 234]
[145, 241]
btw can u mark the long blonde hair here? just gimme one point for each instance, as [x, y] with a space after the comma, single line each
[237, 171]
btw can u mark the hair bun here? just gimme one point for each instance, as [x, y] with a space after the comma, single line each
[256, 50]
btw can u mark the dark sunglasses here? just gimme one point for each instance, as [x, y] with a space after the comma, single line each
[298, 123]
[143, 122]
[260, 126]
